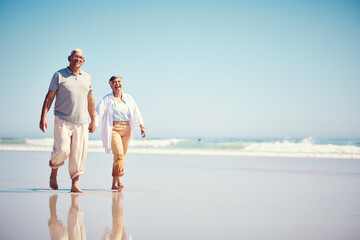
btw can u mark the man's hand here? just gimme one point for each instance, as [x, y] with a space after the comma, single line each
[43, 125]
[46, 106]
[92, 127]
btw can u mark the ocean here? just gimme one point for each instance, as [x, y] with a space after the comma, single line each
[264, 147]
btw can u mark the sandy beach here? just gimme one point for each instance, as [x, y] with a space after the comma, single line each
[182, 197]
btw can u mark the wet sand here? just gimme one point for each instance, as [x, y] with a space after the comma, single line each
[182, 197]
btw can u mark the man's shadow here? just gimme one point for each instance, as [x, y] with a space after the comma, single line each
[75, 222]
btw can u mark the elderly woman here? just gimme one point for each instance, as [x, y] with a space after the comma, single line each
[119, 114]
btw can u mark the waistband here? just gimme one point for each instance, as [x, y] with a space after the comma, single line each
[121, 123]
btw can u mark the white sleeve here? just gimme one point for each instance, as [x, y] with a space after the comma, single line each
[99, 112]
[136, 113]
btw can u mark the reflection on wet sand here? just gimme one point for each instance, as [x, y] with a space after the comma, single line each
[75, 221]
[118, 229]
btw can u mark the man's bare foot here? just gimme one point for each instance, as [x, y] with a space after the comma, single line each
[74, 187]
[53, 181]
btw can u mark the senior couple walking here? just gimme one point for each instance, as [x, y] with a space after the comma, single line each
[72, 90]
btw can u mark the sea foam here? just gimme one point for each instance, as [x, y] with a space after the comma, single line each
[305, 148]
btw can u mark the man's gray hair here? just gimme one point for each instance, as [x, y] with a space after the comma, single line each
[75, 51]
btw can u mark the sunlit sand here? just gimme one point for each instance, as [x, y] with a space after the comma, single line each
[182, 197]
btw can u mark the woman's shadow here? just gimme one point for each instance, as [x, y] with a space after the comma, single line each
[118, 229]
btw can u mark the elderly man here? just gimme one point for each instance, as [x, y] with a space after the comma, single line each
[74, 100]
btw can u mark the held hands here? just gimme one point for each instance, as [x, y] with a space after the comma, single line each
[92, 127]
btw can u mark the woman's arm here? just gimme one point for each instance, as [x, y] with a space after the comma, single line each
[100, 111]
[138, 117]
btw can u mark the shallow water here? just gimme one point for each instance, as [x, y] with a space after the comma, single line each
[182, 197]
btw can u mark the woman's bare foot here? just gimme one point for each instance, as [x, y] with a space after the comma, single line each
[118, 188]
[116, 185]
[53, 181]
[74, 187]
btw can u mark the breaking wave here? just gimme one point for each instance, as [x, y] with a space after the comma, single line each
[303, 148]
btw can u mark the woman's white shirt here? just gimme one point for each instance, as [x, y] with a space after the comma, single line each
[104, 112]
[121, 111]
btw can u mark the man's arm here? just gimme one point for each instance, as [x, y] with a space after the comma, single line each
[91, 109]
[46, 107]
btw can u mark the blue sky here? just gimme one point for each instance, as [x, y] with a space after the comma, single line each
[196, 68]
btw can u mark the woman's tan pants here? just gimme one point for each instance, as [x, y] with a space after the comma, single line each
[119, 145]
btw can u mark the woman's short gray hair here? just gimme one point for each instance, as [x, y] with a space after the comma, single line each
[113, 77]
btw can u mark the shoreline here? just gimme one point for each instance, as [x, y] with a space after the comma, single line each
[219, 153]
[211, 197]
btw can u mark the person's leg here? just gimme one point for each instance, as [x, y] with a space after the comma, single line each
[61, 149]
[125, 139]
[75, 185]
[118, 152]
[77, 157]
[53, 179]
[75, 221]
[118, 229]
[57, 229]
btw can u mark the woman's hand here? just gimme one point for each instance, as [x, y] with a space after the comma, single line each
[143, 132]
